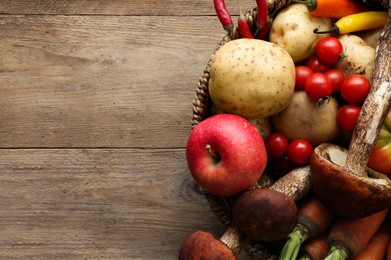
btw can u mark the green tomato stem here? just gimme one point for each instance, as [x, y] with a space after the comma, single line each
[295, 239]
[337, 252]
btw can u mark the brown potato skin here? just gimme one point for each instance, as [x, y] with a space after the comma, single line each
[305, 119]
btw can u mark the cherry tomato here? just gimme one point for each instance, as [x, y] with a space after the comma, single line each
[336, 78]
[300, 151]
[316, 65]
[347, 116]
[276, 145]
[317, 86]
[302, 73]
[329, 50]
[355, 89]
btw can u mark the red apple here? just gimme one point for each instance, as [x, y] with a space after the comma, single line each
[225, 154]
[380, 159]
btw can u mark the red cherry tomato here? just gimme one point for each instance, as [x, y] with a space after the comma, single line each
[355, 89]
[302, 73]
[300, 151]
[317, 86]
[336, 78]
[276, 145]
[329, 50]
[347, 116]
[316, 65]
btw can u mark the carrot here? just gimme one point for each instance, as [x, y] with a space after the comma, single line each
[348, 237]
[313, 219]
[389, 251]
[333, 8]
[377, 246]
[315, 248]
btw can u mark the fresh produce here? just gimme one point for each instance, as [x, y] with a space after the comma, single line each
[225, 154]
[292, 29]
[203, 245]
[376, 248]
[371, 37]
[348, 237]
[336, 78]
[262, 19]
[318, 86]
[317, 66]
[333, 8]
[355, 89]
[265, 214]
[329, 50]
[302, 73]
[313, 219]
[305, 119]
[380, 159]
[300, 151]
[347, 116]
[276, 145]
[315, 248]
[359, 58]
[357, 22]
[224, 17]
[271, 214]
[243, 26]
[251, 78]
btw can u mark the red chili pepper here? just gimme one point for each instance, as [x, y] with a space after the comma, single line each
[262, 17]
[243, 26]
[224, 16]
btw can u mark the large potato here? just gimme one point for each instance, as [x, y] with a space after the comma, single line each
[360, 57]
[305, 119]
[292, 29]
[251, 78]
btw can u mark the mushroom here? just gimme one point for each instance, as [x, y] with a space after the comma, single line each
[296, 184]
[341, 178]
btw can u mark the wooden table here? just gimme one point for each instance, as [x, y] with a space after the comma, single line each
[95, 110]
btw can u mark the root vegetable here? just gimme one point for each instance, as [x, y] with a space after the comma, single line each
[348, 237]
[359, 58]
[292, 29]
[315, 248]
[377, 246]
[313, 219]
[251, 78]
[305, 119]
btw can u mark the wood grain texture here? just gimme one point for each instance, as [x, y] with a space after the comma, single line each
[119, 7]
[97, 203]
[91, 81]
[95, 110]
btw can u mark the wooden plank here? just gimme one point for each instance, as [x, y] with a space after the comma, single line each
[118, 7]
[101, 81]
[98, 204]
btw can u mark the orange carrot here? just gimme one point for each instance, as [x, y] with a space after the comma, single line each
[389, 251]
[348, 237]
[377, 246]
[315, 248]
[333, 8]
[313, 219]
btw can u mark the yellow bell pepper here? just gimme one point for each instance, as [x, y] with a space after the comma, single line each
[358, 22]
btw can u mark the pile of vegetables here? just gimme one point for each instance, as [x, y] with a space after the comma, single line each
[301, 78]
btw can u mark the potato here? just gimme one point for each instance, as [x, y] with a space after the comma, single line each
[360, 57]
[251, 78]
[371, 37]
[292, 29]
[304, 119]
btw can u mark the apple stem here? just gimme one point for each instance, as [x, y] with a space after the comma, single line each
[214, 154]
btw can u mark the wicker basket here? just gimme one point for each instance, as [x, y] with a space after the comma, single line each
[201, 110]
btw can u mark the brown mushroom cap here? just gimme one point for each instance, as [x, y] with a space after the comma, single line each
[203, 245]
[264, 214]
[346, 194]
